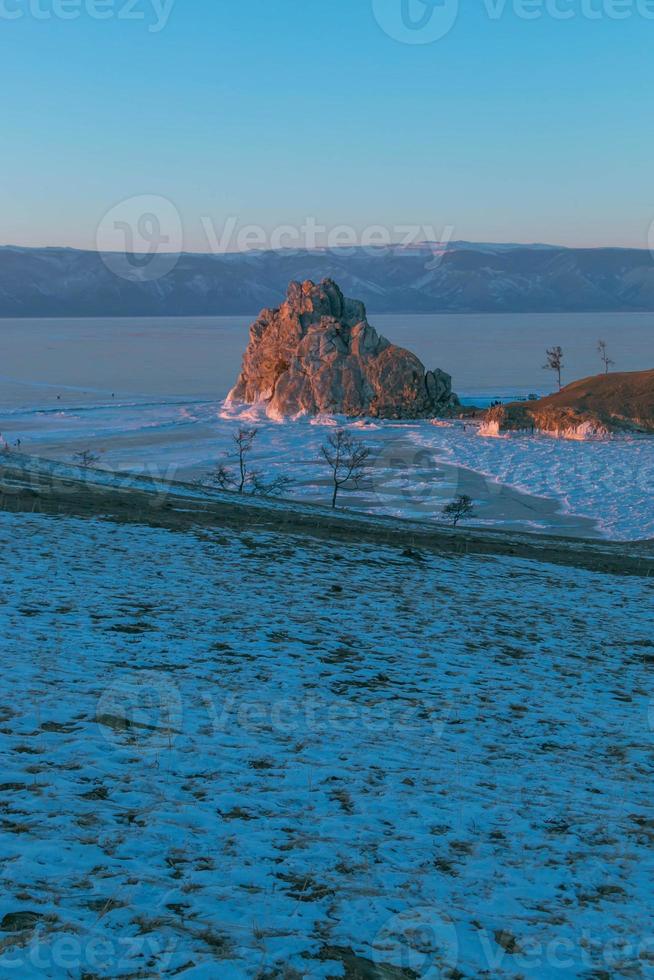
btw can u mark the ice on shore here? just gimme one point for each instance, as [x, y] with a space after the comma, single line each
[608, 482]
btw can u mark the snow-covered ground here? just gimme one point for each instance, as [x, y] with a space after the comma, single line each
[242, 755]
[611, 483]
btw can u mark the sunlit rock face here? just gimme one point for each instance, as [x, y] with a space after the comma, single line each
[318, 354]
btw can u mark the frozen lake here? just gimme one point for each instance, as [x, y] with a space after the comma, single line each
[487, 355]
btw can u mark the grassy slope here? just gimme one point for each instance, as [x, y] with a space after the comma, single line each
[180, 508]
[623, 400]
[628, 395]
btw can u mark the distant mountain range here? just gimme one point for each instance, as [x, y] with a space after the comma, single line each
[458, 278]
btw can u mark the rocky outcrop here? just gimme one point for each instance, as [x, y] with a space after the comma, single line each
[562, 423]
[592, 408]
[318, 354]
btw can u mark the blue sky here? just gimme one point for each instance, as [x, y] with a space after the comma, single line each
[270, 111]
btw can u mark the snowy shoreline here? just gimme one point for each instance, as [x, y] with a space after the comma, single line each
[602, 487]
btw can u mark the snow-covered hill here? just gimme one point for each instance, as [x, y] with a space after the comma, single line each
[459, 277]
[245, 755]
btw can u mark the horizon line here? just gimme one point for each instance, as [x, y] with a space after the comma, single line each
[319, 249]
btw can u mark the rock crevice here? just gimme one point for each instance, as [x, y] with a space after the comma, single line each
[317, 354]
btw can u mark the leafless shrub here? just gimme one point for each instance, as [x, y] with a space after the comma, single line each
[460, 509]
[86, 458]
[239, 477]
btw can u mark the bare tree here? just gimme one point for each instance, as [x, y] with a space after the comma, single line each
[238, 478]
[241, 478]
[603, 351]
[221, 477]
[555, 362]
[347, 458]
[460, 509]
[243, 441]
[269, 488]
[86, 458]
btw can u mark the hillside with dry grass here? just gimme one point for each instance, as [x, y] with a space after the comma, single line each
[595, 406]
